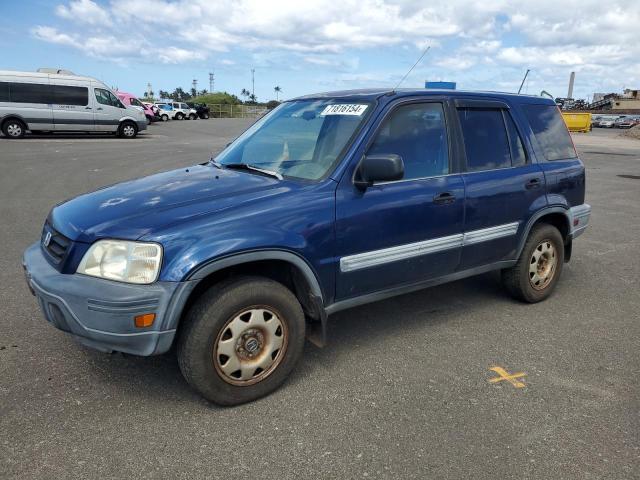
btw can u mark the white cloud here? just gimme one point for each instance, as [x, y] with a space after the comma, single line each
[84, 11]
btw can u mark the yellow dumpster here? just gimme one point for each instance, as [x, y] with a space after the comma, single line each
[577, 122]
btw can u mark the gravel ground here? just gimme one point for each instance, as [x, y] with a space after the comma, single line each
[401, 391]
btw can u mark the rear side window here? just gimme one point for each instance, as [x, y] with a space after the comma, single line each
[417, 133]
[518, 155]
[30, 93]
[485, 139]
[4, 91]
[550, 131]
[67, 95]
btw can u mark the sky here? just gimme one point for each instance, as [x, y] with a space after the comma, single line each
[316, 45]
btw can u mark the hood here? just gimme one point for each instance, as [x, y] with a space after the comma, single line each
[139, 207]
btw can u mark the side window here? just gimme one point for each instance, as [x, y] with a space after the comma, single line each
[30, 93]
[550, 131]
[417, 133]
[66, 95]
[485, 139]
[105, 97]
[518, 155]
[184, 106]
[136, 102]
[4, 92]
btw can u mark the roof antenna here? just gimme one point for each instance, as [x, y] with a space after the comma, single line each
[411, 69]
[525, 77]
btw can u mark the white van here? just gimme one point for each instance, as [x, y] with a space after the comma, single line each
[62, 102]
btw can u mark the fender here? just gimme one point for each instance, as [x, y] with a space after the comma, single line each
[317, 298]
[19, 117]
[534, 218]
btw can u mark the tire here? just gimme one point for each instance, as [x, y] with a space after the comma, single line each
[14, 128]
[222, 312]
[205, 116]
[534, 277]
[164, 118]
[128, 129]
[193, 116]
[179, 116]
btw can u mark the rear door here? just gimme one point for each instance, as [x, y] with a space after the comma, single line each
[72, 108]
[504, 187]
[108, 110]
[563, 170]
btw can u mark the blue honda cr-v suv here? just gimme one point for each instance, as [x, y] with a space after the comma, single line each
[328, 202]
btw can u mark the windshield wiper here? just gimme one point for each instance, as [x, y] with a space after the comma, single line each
[246, 166]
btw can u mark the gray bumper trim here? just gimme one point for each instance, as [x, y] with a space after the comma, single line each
[579, 219]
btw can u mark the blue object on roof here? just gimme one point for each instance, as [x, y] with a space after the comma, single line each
[445, 85]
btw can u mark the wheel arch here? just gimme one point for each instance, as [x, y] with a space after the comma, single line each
[13, 116]
[282, 266]
[558, 217]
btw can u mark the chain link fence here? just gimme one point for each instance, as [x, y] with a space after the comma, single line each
[236, 111]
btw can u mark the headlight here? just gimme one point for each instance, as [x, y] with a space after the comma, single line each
[131, 262]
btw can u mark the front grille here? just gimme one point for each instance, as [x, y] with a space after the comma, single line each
[57, 244]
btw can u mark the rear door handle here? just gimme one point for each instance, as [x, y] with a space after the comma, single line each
[87, 108]
[444, 198]
[99, 108]
[533, 183]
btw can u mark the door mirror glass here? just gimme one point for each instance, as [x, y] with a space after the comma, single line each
[379, 168]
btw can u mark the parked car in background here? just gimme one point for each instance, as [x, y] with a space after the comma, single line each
[627, 121]
[201, 109]
[132, 100]
[165, 111]
[328, 202]
[153, 108]
[52, 102]
[607, 121]
[184, 111]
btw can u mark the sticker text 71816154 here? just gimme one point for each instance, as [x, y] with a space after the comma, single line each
[344, 109]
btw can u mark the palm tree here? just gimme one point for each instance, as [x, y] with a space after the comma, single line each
[277, 89]
[253, 98]
[245, 93]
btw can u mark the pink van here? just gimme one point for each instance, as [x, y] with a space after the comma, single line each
[129, 99]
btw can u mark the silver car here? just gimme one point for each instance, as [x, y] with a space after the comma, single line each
[53, 102]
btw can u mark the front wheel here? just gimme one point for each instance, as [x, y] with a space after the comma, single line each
[535, 275]
[179, 116]
[164, 118]
[241, 340]
[128, 130]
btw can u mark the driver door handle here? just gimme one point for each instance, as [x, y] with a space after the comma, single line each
[444, 198]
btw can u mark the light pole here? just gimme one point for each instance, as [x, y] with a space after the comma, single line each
[253, 82]
[211, 82]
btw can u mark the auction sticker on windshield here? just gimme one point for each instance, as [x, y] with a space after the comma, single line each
[344, 109]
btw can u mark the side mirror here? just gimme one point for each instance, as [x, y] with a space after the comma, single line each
[385, 167]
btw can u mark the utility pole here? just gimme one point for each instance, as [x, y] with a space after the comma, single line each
[194, 85]
[211, 81]
[253, 82]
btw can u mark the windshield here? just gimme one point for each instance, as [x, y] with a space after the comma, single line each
[300, 139]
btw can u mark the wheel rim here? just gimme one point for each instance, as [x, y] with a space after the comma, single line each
[542, 266]
[250, 346]
[128, 131]
[14, 130]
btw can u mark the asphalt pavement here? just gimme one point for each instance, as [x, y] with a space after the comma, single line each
[403, 390]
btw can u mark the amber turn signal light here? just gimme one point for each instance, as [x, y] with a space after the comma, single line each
[145, 320]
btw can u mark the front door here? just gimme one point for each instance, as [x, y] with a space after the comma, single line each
[108, 110]
[407, 231]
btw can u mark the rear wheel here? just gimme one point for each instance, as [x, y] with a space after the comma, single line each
[128, 130]
[241, 340]
[536, 274]
[14, 128]
[193, 116]
[205, 116]
[179, 116]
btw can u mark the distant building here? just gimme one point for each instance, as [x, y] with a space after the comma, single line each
[629, 100]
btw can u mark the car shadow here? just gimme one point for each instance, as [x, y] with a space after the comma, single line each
[159, 376]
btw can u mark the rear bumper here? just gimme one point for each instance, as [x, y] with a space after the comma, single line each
[579, 219]
[100, 313]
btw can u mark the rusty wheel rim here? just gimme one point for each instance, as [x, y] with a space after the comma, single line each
[250, 346]
[542, 266]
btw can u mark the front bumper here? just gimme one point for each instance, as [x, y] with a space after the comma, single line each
[100, 313]
[142, 124]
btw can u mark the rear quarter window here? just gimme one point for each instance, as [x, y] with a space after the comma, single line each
[550, 131]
